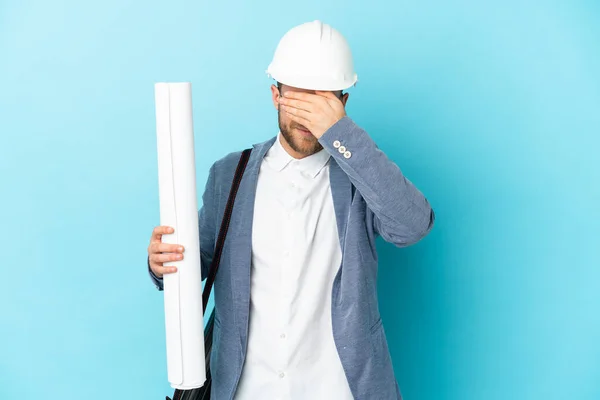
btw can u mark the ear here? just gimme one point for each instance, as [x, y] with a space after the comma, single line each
[344, 98]
[275, 96]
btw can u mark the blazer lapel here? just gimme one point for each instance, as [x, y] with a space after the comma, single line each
[241, 240]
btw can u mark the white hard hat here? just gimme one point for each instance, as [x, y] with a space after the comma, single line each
[313, 56]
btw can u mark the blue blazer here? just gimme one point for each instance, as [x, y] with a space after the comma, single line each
[371, 198]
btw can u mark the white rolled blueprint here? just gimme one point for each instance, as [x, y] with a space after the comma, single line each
[179, 209]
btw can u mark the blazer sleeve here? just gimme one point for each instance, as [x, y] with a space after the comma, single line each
[207, 230]
[402, 214]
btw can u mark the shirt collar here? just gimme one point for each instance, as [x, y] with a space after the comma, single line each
[279, 159]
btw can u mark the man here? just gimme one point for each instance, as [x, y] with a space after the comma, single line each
[296, 312]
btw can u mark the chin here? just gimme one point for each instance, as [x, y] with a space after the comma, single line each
[308, 147]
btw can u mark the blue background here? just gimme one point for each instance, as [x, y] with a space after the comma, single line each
[491, 108]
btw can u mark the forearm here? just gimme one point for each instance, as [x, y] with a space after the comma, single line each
[158, 282]
[402, 214]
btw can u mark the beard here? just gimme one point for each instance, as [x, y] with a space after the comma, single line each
[304, 145]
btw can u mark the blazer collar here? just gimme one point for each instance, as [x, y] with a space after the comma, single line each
[278, 158]
[341, 186]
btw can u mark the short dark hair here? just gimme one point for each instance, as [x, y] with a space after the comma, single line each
[279, 84]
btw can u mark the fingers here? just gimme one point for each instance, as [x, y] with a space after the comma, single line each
[299, 120]
[332, 99]
[159, 270]
[159, 252]
[159, 231]
[159, 258]
[325, 93]
[328, 95]
[300, 116]
[298, 104]
[315, 99]
[159, 247]
[290, 94]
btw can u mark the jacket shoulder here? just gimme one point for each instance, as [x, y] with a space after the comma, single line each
[226, 165]
[224, 169]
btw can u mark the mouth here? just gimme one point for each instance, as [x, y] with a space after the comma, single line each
[303, 131]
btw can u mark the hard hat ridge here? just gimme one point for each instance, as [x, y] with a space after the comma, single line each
[313, 56]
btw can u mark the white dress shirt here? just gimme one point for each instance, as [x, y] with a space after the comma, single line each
[295, 256]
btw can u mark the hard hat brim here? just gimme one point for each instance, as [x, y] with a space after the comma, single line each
[332, 83]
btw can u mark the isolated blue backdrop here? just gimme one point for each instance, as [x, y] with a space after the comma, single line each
[491, 108]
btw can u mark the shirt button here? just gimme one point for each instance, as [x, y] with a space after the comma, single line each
[347, 154]
[342, 149]
[281, 375]
[282, 336]
[336, 144]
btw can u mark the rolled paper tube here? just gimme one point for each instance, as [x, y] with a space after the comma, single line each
[179, 209]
